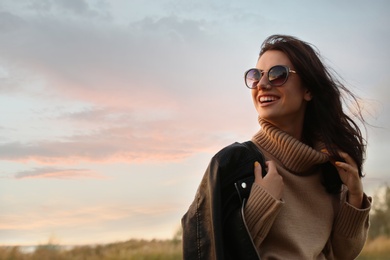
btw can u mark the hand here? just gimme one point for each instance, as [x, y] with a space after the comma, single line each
[272, 182]
[349, 175]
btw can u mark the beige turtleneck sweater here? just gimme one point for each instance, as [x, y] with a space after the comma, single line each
[308, 223]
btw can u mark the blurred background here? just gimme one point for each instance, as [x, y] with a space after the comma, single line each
[111, 110]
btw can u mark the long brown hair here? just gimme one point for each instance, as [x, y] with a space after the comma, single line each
[325, 120]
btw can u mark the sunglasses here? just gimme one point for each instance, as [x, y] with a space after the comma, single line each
[276, 75]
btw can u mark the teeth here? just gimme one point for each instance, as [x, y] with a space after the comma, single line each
[267, 99]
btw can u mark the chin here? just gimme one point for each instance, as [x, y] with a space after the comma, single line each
[266, 116]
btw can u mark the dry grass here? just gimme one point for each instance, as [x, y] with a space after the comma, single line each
[376, 249]
[132, 249]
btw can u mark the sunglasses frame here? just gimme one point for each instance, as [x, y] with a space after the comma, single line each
[262, 72]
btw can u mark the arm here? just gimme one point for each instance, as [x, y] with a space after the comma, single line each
[264, 202]
[352, 222]
[350, 228]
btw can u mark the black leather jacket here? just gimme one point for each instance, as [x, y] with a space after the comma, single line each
[214, 227]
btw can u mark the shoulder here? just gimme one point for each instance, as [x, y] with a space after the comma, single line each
[234, 147]
[231, 154]
[231, 150]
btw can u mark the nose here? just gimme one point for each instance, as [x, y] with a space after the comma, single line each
[263, 83]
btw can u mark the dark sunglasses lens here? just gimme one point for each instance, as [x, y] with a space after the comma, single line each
[277, 75]
[252, 77]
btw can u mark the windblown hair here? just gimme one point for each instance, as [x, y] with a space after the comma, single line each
[325, 120]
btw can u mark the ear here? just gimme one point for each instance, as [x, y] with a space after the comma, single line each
[307, 96]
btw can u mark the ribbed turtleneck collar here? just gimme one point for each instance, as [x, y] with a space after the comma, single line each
[295, 156]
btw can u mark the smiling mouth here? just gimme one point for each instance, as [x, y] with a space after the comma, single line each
[267, 99]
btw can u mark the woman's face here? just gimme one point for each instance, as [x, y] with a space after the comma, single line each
[281, 105]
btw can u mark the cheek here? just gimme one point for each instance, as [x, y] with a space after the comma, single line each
[297, 100]
[296, 94]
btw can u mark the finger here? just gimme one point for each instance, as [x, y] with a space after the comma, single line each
[341, 165]
[271, 166]
[348, 159]
[258, 171]
[346, 167]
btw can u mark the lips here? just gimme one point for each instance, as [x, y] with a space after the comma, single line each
[267, 99]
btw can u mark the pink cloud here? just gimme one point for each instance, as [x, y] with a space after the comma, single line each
[148, 101]
[137, 140]
[55, 173]
[71, 216]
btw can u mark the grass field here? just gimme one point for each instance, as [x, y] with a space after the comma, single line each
[132, 249]
[378, 249]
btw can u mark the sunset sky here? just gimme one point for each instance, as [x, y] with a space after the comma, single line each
[111, 110]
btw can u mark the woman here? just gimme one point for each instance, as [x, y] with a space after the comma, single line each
[310, 204]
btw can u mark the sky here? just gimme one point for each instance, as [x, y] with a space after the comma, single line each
[110, 111]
